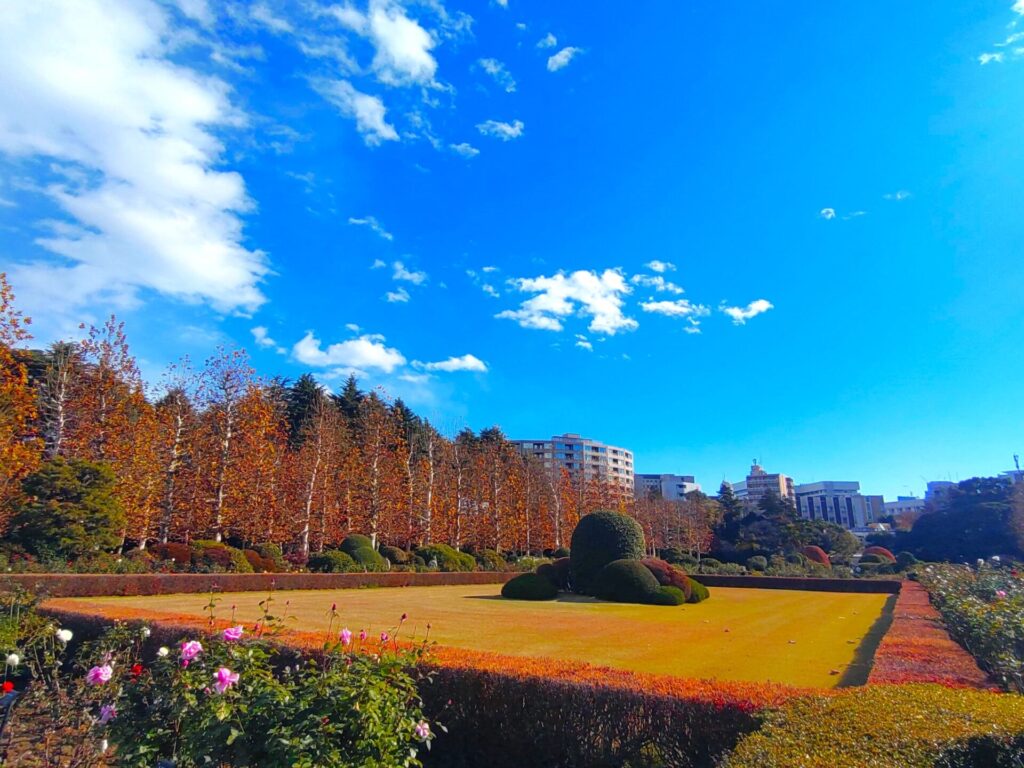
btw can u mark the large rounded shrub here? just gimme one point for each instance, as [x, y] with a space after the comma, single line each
[355, 541]
[557, 572]
[668, 575]
[882, 552]
[331, 561]
[529, 586]
[667, 596]
[625, 581]
[490, 560]
[698, 592]
[369, 559]
[816, 555]
[757, 563]
[599, 539]
[447, 559]
[179, 553]
[394, 555]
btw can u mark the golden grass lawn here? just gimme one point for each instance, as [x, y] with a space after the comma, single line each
[783, 636]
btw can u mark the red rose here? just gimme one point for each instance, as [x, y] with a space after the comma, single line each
[136, 669]
[8, 686]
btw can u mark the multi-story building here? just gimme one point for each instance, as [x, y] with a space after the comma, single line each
[838, 502]
[759, 483]
[911, 506]
[669, 487]
[937, 489]
[583, 457]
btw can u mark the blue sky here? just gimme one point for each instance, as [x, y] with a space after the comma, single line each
[703, 233]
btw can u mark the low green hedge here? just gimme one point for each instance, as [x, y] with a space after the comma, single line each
[667, 596]
[332, 561]
[886, 726]
[698, 592]
[626, 581]
[529, 586]
[447, 558]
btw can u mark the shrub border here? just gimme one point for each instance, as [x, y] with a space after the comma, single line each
[809, 584]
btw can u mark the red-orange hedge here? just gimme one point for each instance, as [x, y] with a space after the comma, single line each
[881, 552]
[816, 555]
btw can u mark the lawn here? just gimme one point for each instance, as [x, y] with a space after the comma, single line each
[819, 639]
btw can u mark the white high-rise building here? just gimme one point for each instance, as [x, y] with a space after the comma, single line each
[668, 487]
[759, 483]
[838, 502]
[581, 456]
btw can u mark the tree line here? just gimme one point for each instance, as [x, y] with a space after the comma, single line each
[216, 451]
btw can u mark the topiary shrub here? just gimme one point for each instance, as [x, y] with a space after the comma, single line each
[179, 553]
[816, 555]
[599, 539]
[667, 574]
[557, 572]
[698, 592]
[708, 565]
[489, 560]
[872, 559]
[882, 552]
[369, 559]
[625, 581]
[529, 586]
[272, 552]
[757, 563]
[796, 558]
[671, 555]
[259, 563]
[332, 561]
[906, 560]
[667, 596]
[561, 552]
[355, 541]
[239, 563]
[448, 559]
[394, 555]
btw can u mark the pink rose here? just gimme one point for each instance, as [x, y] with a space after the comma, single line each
[99, 675]
[190, 650]
[233, 634]
[224, 679]
[345, 637]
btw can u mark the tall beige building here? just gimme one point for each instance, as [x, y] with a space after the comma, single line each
[759, 482]
[581, 455]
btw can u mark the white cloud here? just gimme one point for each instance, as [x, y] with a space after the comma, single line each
[897, 196]
[365, 353]
[378, 264]
[828, 213]
[548, 41]
[740, 315]
[409, 276]
[1019, 7]
[262, 14]
[374, 225]
[490, 290]
[502, 3]
[263, 340]
[503, 131]
[501, 75]
[657, 282]
[521, 26]
[139, 171]
[368, 111]
[401, 296]
[988, 58]
[561, 59]
[402, 46]
[465, 149]
[353, 327]
[677, 308]
[463, 363]
[660, 266]
[583, 292]
[583, 343]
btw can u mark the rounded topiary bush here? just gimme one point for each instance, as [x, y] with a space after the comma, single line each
[447, 558]
[599, 539]
[667, 574]
[816, 555]
[698, 592]
[394, 555]
[667, 596]
[369, 559]
[490, 560]
[872, 559]
[557, 572]
[625, 581]
[882, 552]
[529, 586]
[561, 552]
[757, 563]
[355, 541]
[906, 560]
[259, 563]
[331, 561]
[179, 553]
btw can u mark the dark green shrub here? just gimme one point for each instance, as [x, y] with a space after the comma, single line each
[489, 560]
[905, 560]
[599, 539]
[355, 541]
[625, 581]
[558, 572]
[872, 559]
[272, 552]
[418, 561]
[671, 555]
[369, 559]
[698, 592]
[448, 559]
[332, 561]
[210, 556]
[757, 563]
[394, 555]
[795, 558]
[561, 552]
[667, 574]
[239, 563]
[667, 596]
[529, 586]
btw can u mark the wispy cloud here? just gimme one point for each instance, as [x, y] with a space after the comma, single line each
[500, 130]
[657, 282]
[583, 292]
[368, 111]
[399, 296]
[897, 196]
[452, 364]
[583, 343]
[656, 265]
[677, 308]
[408, 275]
[373, 224]
[261, 336]
[828, 214]
[548, 41]
[499, 73]
[465, 149]
[561, 59]
[740, 315]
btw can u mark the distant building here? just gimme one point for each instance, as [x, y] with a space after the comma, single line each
[669, 487]
[839, 502]
[937, 489]
[905, 505]
[583, 457]
[759, 483]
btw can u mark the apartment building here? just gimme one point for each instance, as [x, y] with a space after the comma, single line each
[666, 486]
[912, 506]
[581, 456]
[759, 483]
[839, 502]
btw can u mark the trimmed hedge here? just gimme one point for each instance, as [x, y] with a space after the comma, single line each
[353, 542]
[489, 560]
[668, 575]
[331, 561]
[884, 554]
[698, 592]
[599, 539]
[626, 581]
[757, 563]
[669, 596]
[529, 586]
[369, 559]
[448, 559]
[816, 555]
[557, 572]
[809, 584]
[394, 555]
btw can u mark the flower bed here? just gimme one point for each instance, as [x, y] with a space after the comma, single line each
[984, 610]
[917, 647]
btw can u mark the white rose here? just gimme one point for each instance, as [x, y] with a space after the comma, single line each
[163, 651]
[64, 635]
[146, 632]
[13, 660]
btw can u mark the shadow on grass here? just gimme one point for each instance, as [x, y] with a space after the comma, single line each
[863, 658]
[563, 597]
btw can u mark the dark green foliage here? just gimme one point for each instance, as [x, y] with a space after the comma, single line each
[601, 538]
[698, 592]
[671, 555]
[489, 560]
[355, 541]
[216, 556]
[369, 559]
[394, 555]
[273, 552]
[448, 559]
[302, 401]
[905, 560]
[332, 561]
[625, 581]
[529, 586]
[667, 596]
[557, 572]
[710, 564]
[795, 558]
[873, 559]
[667, 574]
[418, 561]
[757, 563]
[560, 553]
[69, 509]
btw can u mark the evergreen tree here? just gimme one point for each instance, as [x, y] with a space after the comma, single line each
[349, 400]
[303, 399]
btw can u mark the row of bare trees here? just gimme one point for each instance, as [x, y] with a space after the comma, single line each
[218, 452]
